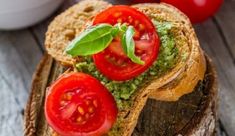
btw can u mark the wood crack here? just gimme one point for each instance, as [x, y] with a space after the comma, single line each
[36, 40]
[223, 131]
[9, 86]
[23, 62]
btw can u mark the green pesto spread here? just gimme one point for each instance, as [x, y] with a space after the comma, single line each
[123, 90]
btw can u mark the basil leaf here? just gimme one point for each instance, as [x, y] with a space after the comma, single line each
[128, 45]
[95, 39]
[115, 31]
[91, 41]
[123, 43]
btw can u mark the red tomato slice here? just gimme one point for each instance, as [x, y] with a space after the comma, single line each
[113, 62]
[78, 105]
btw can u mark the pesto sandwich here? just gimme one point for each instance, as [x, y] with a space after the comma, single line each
[120, 56]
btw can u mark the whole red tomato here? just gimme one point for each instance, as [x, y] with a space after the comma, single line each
[196, 10]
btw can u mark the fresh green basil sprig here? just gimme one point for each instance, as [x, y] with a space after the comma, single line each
[95, 39]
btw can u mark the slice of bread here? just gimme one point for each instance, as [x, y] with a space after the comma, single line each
[68, 25]
[169, 86]
[192, 68]
[184, 83]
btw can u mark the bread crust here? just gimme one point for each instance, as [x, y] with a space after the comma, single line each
[185, 83]
[66, 26]
[183, 78]
[171, 14]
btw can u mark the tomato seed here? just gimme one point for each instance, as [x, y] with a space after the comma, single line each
[130, 19]
[62, 103]
[81, 110]
[90, 109]
[112, 59]
[136, 22]
[138, 51]
[137, 34]
[119, 20]
[119, 62]
[83, 122]
[107, 56]
[124, 64]
[117, 14]
[87, 116]
[141, 27]
[67, 96]
[88, 102]
[79, 119]
[95, 103]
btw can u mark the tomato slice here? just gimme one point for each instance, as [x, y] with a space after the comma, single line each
[112, 62]
[78, 104]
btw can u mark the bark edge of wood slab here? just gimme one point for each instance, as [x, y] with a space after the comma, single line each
[194, 114]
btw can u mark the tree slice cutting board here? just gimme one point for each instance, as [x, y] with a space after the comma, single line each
[194, 114]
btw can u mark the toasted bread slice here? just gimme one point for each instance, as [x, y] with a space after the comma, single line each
[184, 83]
[70, 23]
[189, 69]
[193, 67]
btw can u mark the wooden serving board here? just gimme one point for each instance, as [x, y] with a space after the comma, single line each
[193, 114]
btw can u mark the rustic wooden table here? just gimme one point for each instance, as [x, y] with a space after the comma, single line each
[21, 50]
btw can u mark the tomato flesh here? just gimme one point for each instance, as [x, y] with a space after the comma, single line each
[196, 10]
[78, 104]
[113, 62]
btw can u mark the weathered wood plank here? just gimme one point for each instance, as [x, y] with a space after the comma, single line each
[19, 55]
[212, 43]
[168, 118]
[225, 20]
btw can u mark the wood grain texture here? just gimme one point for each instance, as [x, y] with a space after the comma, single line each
[225, 24]
[19, 55]
[172, 117]
[220, 131]
[157, 119]
[213, 44]
[15, 77]
[209, 35]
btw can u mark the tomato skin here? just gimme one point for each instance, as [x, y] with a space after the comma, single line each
[85, 93]
[197, 10]
[115, 65]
